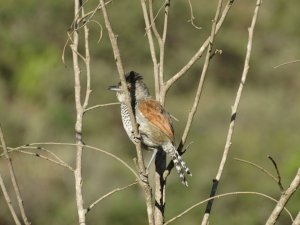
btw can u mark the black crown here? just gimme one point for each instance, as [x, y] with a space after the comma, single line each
[132, 77]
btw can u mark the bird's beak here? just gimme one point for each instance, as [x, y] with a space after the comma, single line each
[114, 88]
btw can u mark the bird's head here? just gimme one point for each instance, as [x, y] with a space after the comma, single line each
[136, 87]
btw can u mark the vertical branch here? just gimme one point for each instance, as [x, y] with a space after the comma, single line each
[162, 51]
[233, 114]
[144, 182]
[200, 85]
[153, 24]
[160, 161]
[79, 116]
[203, 75]
[200, 51]
[8, 201]
[121, 72]
[284, 199]
[87, 64]
[160, 187]
[151, 45]
[13, 180]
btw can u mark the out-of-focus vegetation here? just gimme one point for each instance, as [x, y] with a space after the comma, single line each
[36, 105]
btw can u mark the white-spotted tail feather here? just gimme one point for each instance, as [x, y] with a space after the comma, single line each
[179, 164]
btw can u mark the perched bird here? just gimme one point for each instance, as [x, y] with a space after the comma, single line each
[154, 123]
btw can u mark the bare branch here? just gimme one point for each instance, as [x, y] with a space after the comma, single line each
[278, 174]
[203, 74]
[101, 105]
[120, 68]
[191, 20]
[79, 115]
[152, 46]
[35, 148]
[8, 201]
[109, 194]
[93, 148]
[297, 219]
[200, 86]
[144, 182]
[286, 63]
[284, 199]
[162, 49]
[258, 167]
[233, 114]
[91, 14]
[199, 53]
[35, 154]
[79, 20]
[152, 19]
[13, 179]
[160, 160]
[87, 65]
[223, 195]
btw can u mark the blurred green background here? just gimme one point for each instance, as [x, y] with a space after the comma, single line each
[37, 105]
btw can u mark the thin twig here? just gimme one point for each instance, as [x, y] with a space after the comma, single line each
[233, 114]
[223, 195]
[200, 86]
[158, 12]
[8, 201]
[91, 13]
[60, 163]
[203, 74]
[45, 150]
[93, 148]
[191, 20]
[152, 47]
[152, 19]
[278, 174]
[100, 28]
[79, 20]
[14, 179]
[200, 51]
[258, 167]
[286, 63]
[35, 148]
[87, 65]
[109, 194]
[284, 199]
[162, 48]
[101, 105]
[144, 182]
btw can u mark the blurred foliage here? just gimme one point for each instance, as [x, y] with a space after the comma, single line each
[36, 105]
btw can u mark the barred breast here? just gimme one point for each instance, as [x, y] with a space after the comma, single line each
[126, 121]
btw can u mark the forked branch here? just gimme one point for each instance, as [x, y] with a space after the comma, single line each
[233, 114]
[200, 51]
[8, 201]
[284, 199]
[224, 195]
[142, 170]
[13, 179]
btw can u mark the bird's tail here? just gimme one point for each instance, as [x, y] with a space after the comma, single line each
[180, 165]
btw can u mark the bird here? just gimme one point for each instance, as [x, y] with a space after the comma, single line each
[153, 121]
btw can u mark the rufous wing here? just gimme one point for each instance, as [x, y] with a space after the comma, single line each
[157, 115]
